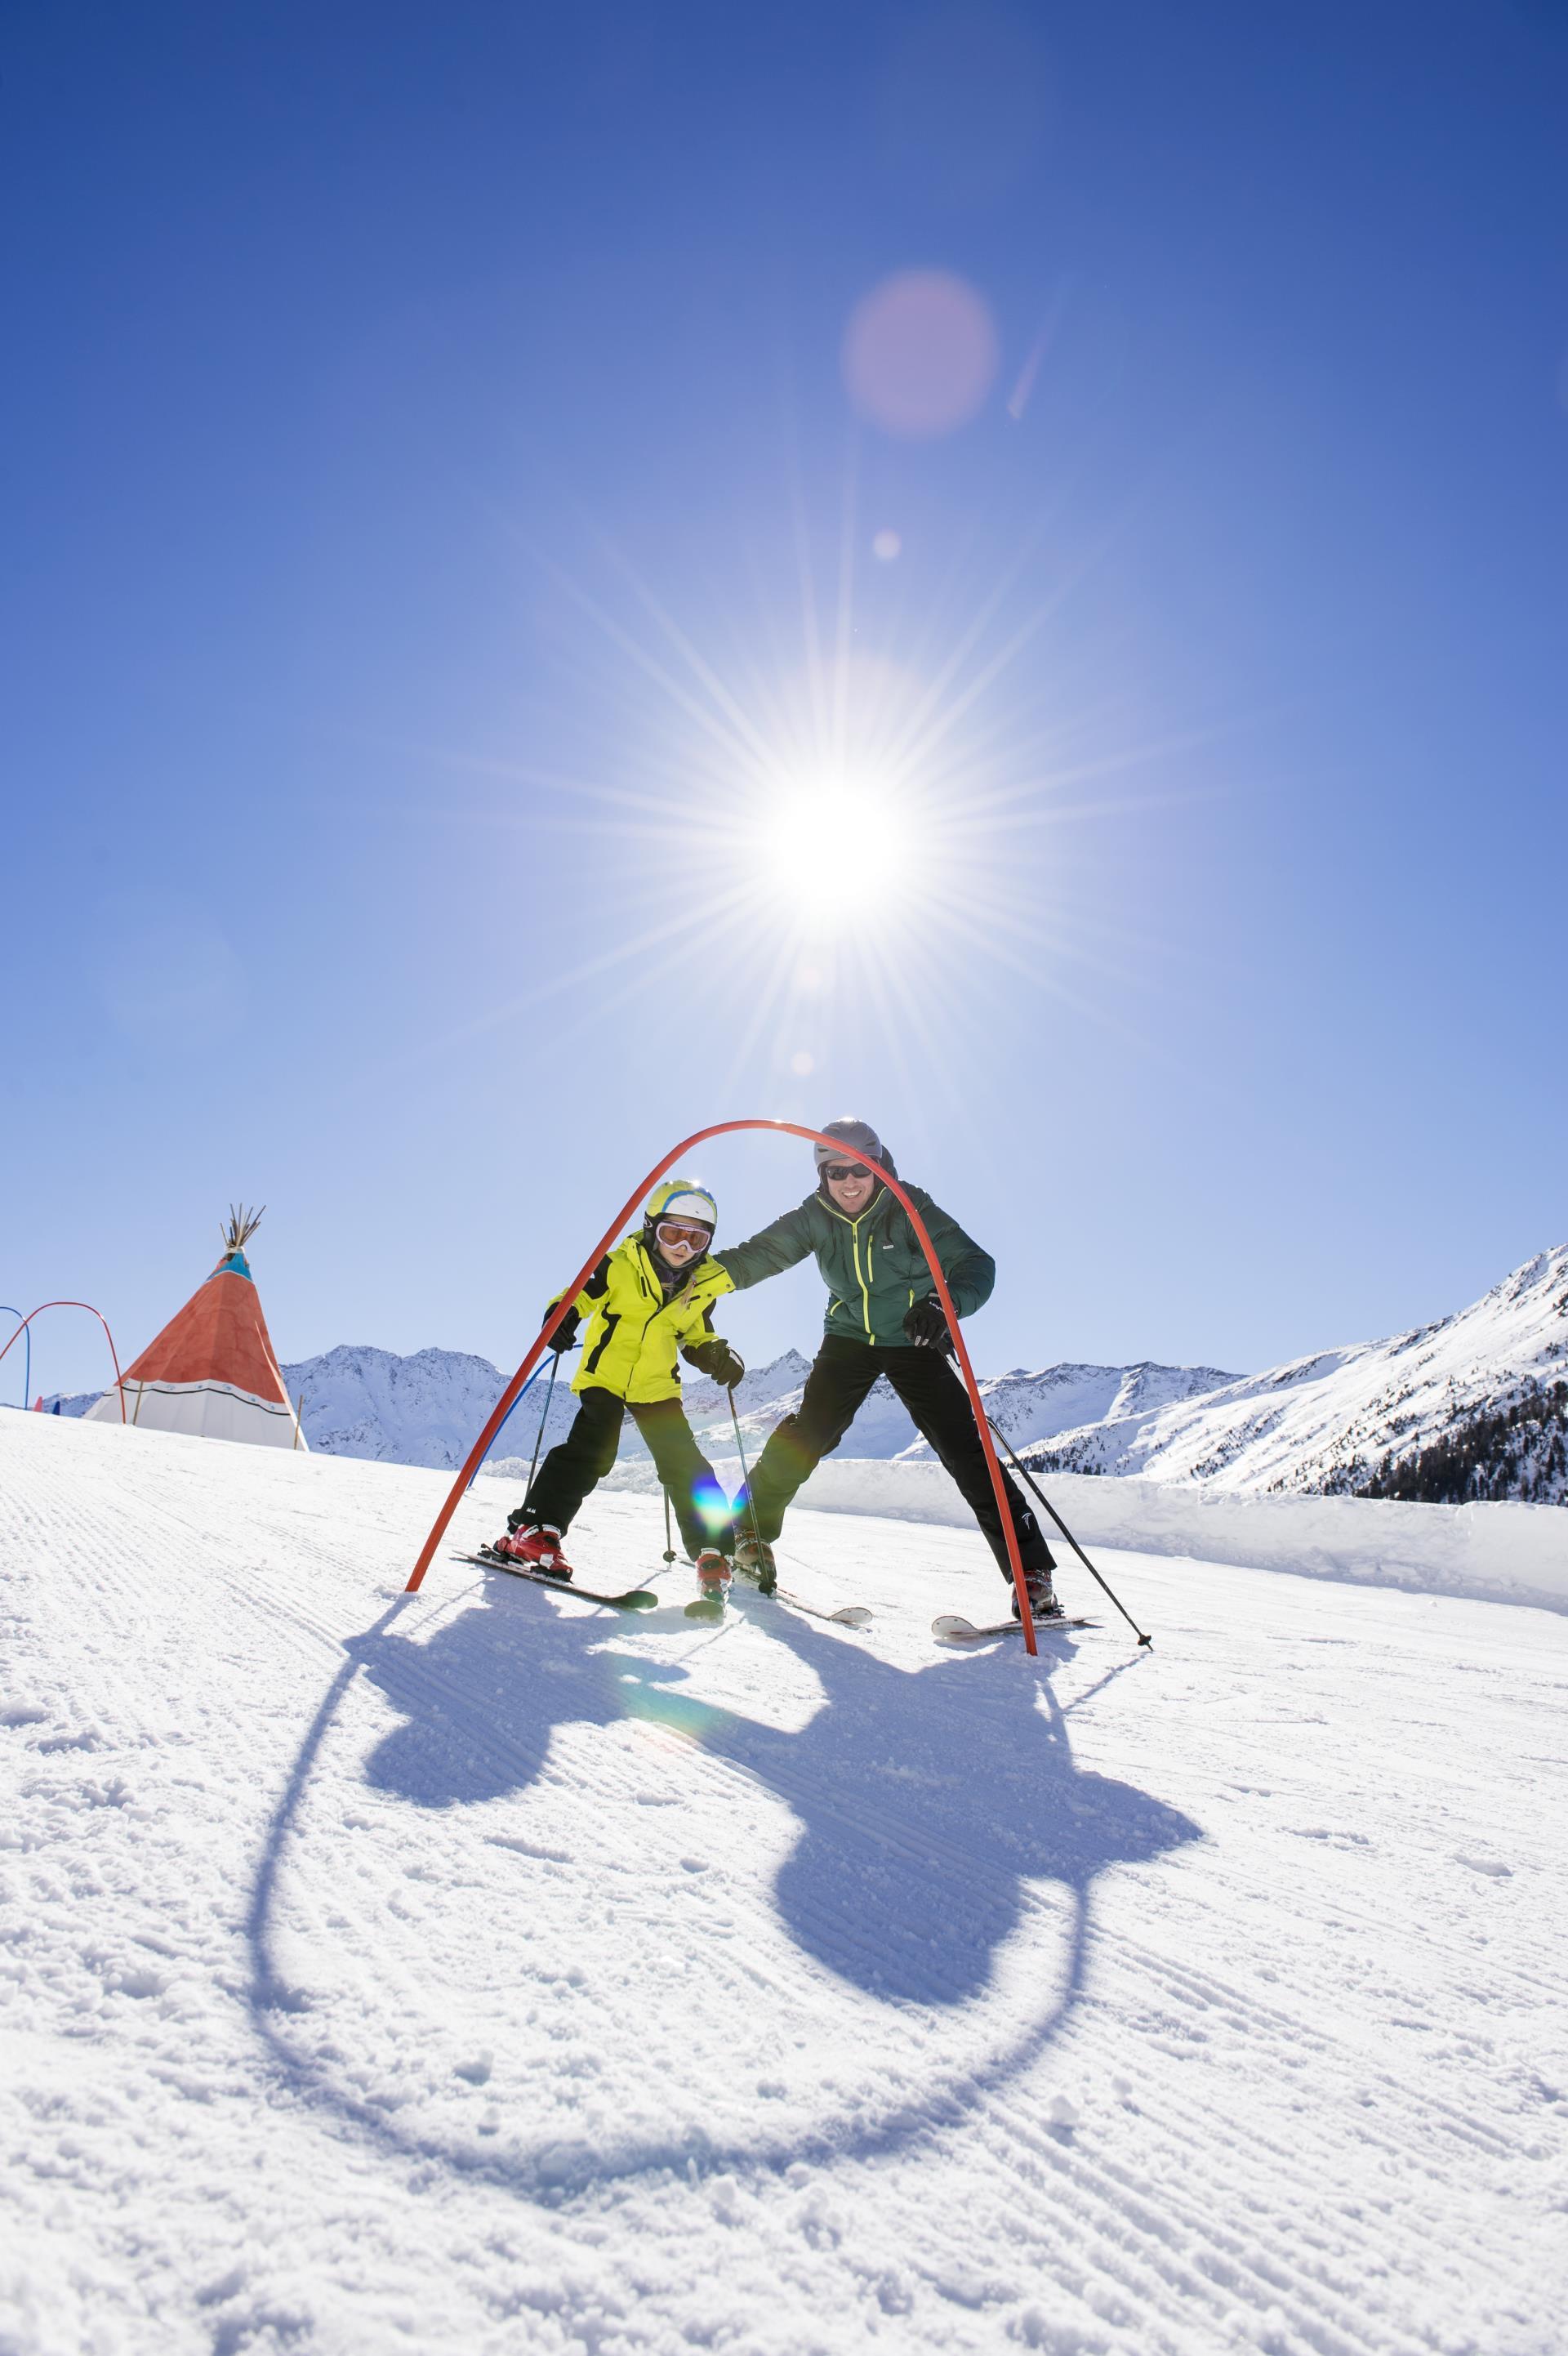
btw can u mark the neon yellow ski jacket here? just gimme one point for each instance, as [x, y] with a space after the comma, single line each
[634, 1333]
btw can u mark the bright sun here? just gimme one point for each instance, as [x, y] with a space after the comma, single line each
[837, 846]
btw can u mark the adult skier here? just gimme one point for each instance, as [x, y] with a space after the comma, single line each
[650, 1298]
[882, 1319]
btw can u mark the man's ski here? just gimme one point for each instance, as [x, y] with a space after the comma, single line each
[954, 1629]
[632, 1599]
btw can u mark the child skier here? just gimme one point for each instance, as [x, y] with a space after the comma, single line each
[650, 1297]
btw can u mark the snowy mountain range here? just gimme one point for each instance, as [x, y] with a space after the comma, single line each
[425, 1410]
[1026, 1405]
[1473, 1406]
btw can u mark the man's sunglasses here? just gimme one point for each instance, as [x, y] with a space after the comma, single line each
[676, 1231]
[839, 1171]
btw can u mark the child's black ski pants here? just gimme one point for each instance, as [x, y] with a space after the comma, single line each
[589, 1450]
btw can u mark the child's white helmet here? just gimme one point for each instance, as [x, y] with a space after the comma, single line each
[677, 1198]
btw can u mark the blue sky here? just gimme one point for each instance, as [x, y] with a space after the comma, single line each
[443, 620]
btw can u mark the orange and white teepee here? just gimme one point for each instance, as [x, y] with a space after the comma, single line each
[212, 1370]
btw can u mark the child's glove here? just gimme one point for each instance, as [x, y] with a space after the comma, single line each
[564, 1338]
[718, 1361]
[924, 1323]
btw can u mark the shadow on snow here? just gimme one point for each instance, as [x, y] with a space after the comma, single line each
[928, 1802]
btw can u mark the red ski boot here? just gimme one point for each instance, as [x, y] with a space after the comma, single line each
[713, 1575]
[538, 1546]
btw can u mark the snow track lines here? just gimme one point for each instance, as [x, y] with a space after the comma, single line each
[478, 1972]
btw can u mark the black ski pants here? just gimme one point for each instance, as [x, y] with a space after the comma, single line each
[582, 1460]
[929, 1387]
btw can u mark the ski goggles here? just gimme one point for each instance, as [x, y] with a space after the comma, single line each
[839, 1171]
[673, 1232]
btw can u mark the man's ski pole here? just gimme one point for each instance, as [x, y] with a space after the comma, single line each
[1025, 1474]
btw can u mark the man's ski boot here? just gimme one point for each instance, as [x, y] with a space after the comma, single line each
[755, 1559]
[1043, 1602]
[536, 1544]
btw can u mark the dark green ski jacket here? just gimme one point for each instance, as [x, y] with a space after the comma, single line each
[872, 1266]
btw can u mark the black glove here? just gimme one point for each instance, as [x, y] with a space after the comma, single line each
[924, 1323]
[718, 1361]
[564, 1338]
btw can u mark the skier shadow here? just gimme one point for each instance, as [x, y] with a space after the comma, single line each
[934, 1798]
[929, 1801]
[481, 1699]
[479, 1703]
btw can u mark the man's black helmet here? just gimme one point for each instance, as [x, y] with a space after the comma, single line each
[859, 1136]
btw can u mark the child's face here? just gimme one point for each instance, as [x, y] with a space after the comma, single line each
[680, 1240]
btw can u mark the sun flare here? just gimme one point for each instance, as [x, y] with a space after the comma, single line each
[851, 828]
[836, 848]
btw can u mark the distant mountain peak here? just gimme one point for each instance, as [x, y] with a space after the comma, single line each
[1470, 1404]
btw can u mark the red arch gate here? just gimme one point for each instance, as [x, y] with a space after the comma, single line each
[788, 1129]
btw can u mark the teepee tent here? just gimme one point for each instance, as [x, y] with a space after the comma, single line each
[212, 1370]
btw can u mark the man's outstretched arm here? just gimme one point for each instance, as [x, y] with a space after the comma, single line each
[770, 1251]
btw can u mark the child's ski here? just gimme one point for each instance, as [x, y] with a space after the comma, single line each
[632, 1599]
[954, 1629]
[852, 1615]
[712, 1607]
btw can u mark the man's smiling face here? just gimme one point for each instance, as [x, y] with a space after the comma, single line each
[853, 1189]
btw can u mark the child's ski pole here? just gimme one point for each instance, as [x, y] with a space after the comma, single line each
[544, 1418]
[745, 1475]
[507, 1419]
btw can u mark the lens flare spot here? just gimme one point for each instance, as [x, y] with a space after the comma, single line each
[920, 354]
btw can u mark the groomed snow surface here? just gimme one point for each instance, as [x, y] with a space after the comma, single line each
[484, 1971]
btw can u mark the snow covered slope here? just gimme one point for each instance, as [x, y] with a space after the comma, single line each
[1501, 1552]
[480, 1973]
[1346, 1418]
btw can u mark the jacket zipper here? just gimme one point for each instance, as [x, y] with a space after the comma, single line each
[854, 1227]
[865, 1296]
